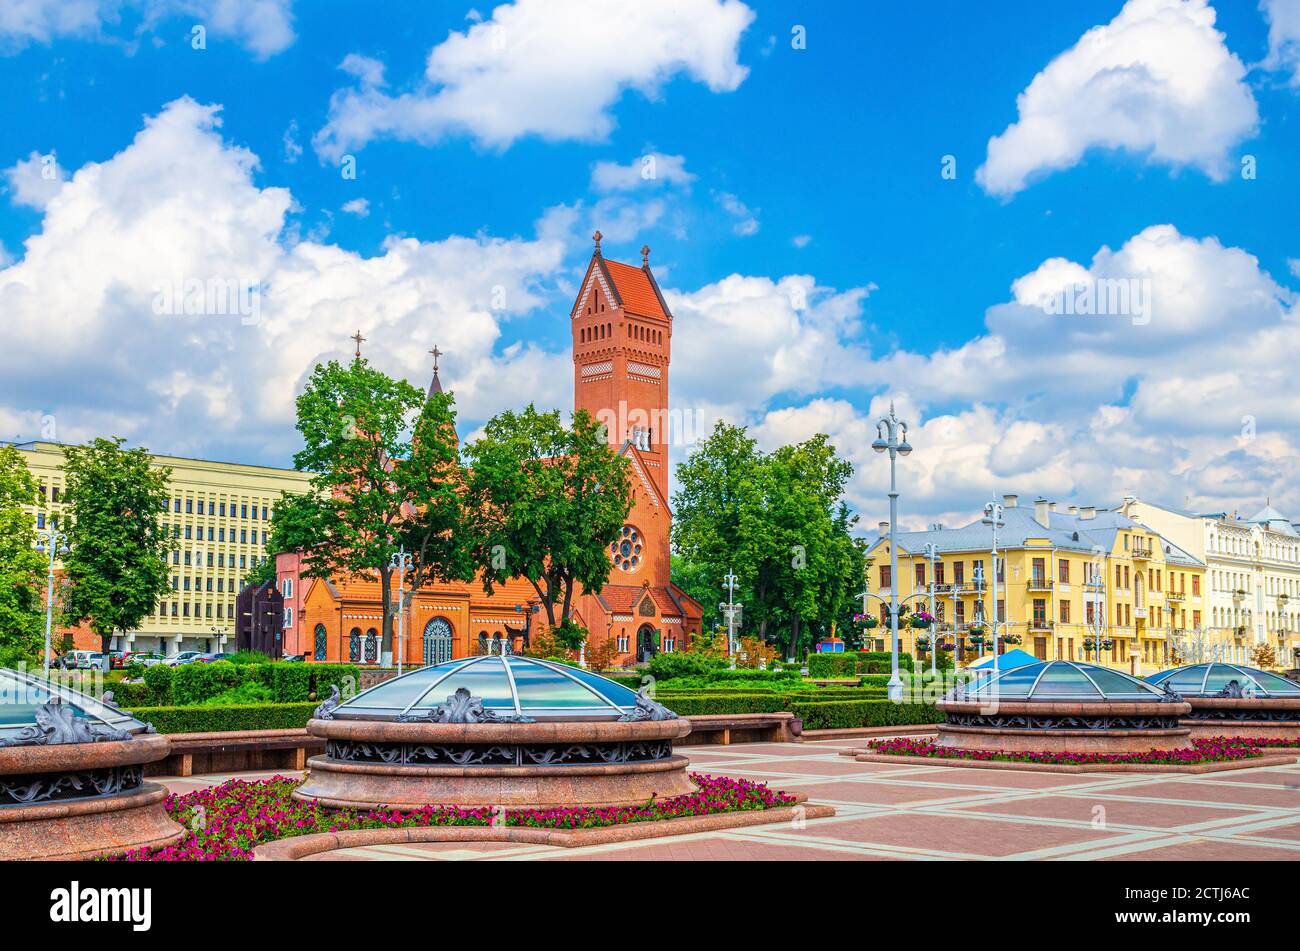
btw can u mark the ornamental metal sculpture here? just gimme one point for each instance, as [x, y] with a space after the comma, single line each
[58, 724]
[326, 710]
[1233, 690]
[647, 709]
[461, 707]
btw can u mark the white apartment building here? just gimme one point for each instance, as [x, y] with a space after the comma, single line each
[1252, 571]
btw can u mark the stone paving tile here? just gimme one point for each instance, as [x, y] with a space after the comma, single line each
[883, 794]
[1002, 778]
[719, 848]
[1082, 808]
[1224, 792]
[1207, 851]
[956, 836]
[1290, 832]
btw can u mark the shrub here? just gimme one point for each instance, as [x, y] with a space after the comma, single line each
[129, 694]
[247, 693]
[264, 716]
[852, 714]
[159, 679]
[683, 664]
[195, 683]
[705, 704]
[135, 670]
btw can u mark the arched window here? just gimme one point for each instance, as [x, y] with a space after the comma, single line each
[437, 640]
[372, 646]
[320, 646]
[354, 646]
[482, 642]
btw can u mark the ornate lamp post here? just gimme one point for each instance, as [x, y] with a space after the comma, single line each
[891, 436]
[931, 551]
[993, 513]
[729, 607]
[56, 543]
[401, 562]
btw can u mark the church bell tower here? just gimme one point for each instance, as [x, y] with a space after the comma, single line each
[622, 331]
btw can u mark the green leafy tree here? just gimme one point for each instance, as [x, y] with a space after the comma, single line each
[776, 519]
[387, 474]
[719, 490]
[549, 500]
[117, 568]
[22, 568]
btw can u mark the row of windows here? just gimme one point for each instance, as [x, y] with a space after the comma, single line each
[182, 609]
[197, 559]
[598, 332]
[651, 335]
[183, 584]
[243, 510]
[192, 533]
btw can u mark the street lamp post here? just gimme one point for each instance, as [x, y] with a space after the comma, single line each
[931, 552]
[402, 563]
[56, 543]
[891, 435]
[729, 606]
[993, 513]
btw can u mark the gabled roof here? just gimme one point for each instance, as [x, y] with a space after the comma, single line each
[642, 476]
[1273, 520]
[632, 288]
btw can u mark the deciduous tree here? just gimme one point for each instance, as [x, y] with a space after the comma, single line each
[117, 567]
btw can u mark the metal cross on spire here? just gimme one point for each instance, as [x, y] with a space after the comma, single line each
[359, 340]
[436, 354]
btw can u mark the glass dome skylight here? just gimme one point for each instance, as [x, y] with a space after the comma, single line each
[1201, 680]
[1062, 680]
[21, 695]
[512, 685]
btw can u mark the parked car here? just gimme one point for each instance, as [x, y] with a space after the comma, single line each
[119, 659]
[209, 658]
[81, 660]
[148, 658]
[185, 657]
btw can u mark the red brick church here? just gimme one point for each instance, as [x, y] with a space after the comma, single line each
[622, 331]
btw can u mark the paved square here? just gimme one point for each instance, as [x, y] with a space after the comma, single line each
[935, 812]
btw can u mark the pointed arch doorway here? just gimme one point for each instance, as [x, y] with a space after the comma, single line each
[647, 643]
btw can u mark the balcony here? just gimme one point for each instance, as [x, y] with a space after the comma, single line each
[1140, 553]
[1175, 596]
[1040, 583]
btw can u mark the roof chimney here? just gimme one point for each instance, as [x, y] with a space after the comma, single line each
[1074, 510]
[1009, 501]
[884, 529]
[1040, 512]
[1088, 512]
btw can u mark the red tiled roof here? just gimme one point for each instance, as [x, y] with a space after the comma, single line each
[624, 598]
[634, 287]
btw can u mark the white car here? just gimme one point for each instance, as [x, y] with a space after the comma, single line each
[184, 657]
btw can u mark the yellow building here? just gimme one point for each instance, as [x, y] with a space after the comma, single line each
[1065, 579]
[219, 515]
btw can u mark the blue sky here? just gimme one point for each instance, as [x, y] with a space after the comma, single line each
[820, 164]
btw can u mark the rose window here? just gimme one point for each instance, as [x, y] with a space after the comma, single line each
[626, 551]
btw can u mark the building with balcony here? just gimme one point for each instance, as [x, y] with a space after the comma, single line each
[1252, 570]
[1082, 584]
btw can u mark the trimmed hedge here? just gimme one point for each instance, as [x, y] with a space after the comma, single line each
[816, 714]
[194, 684]
[851, 714]
[853, 663]
[263, 716]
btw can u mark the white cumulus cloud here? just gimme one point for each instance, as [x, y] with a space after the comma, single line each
[1156, 81]
[550, 68]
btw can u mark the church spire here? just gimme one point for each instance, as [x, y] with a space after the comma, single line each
[435, 385]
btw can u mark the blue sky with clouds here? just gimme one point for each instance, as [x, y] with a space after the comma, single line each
[818, 260]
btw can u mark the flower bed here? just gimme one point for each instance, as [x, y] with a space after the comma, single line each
[230, 820]
[1259, 742]
[1215, 750]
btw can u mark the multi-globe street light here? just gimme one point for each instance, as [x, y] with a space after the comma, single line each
[993, 517]
[401, 563]
[891, 436]
[54, 542]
